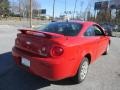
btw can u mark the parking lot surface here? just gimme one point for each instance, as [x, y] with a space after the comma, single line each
[104, 74]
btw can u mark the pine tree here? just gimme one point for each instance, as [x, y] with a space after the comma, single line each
[4, 7]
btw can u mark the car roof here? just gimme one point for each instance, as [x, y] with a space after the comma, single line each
[83, 22]
[79, 21]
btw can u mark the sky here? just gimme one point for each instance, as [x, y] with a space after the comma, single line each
[60, 5]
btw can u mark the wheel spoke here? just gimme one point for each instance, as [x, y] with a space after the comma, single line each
[84, 69]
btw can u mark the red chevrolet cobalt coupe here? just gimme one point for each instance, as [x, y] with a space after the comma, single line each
[60, 50]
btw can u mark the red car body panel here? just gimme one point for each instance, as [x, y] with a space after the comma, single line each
[59, 67]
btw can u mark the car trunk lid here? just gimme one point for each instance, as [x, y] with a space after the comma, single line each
[32, 41]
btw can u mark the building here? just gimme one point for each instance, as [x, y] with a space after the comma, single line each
[115, 4]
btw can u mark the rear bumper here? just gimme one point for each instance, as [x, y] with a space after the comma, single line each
[51, 69]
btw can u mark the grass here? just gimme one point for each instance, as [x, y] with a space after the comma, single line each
[15, 21]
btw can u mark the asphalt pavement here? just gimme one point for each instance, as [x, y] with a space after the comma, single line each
[104, 74]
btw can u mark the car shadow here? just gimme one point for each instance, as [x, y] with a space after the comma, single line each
[14, 78]
[64, 82]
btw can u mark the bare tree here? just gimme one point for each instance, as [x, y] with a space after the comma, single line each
[23, 7]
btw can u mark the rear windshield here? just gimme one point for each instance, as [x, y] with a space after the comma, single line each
[64, 28]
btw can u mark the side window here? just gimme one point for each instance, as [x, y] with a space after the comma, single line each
[90, 32]
[98, 31]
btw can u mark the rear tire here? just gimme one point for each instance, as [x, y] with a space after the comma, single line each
[82, 71]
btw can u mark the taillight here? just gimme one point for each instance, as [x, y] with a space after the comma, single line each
[47, 51]
[56, 51]
[43, 51]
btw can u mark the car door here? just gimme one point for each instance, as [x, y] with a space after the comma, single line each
[92, 42]
[102, 39]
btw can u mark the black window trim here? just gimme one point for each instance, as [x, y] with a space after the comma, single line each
[100, 29]
[92, 26]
